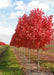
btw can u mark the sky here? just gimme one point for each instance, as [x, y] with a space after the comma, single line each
[11, 10]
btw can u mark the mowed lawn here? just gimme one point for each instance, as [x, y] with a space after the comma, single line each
[9, 64]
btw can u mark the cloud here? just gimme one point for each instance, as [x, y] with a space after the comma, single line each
[5, 3]
[6, 34]
[33, 4]
[20, 5]
[42, 4]
[5, 38]
[46, 1]
[0, 23]
[37, 4]
[6, 30]
[15, 15]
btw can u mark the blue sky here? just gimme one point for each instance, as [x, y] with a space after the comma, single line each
[10, 10]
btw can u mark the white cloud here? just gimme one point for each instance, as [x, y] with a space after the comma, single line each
[5, 3]
[46, 2]
[20, 13]
[37, 4]
[5, 38]
[53, 20]
[42, 4]
[20, 5]
[6, 34]
[33, 4]
[14, 15]
[6, 30]
[0, 23]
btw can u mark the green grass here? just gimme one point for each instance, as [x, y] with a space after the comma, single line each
[9, 64]
[47, 65]
[2, 48]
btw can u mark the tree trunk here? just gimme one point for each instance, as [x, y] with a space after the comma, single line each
[29, 55]
[24, 56]
[38, 59]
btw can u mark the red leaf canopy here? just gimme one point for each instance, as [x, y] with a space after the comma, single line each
[33, 31]
[2, 43]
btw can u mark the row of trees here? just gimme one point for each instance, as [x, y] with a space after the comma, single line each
[33, 31]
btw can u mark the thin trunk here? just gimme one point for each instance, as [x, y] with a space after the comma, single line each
[24, 54]
[24, 57]
[29, 55]
[38, 59]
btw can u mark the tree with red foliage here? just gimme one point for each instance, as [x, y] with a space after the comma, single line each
[2, 43]
[33, 31]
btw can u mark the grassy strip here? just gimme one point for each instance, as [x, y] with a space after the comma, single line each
[2, 48]
[9, 64]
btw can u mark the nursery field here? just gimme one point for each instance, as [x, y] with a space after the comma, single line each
[46, 57]
[8, 63]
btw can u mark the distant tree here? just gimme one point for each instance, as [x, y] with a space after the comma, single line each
[2, 43]
[33, 31]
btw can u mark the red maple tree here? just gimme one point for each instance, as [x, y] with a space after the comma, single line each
[33, 31]
[2, 43]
